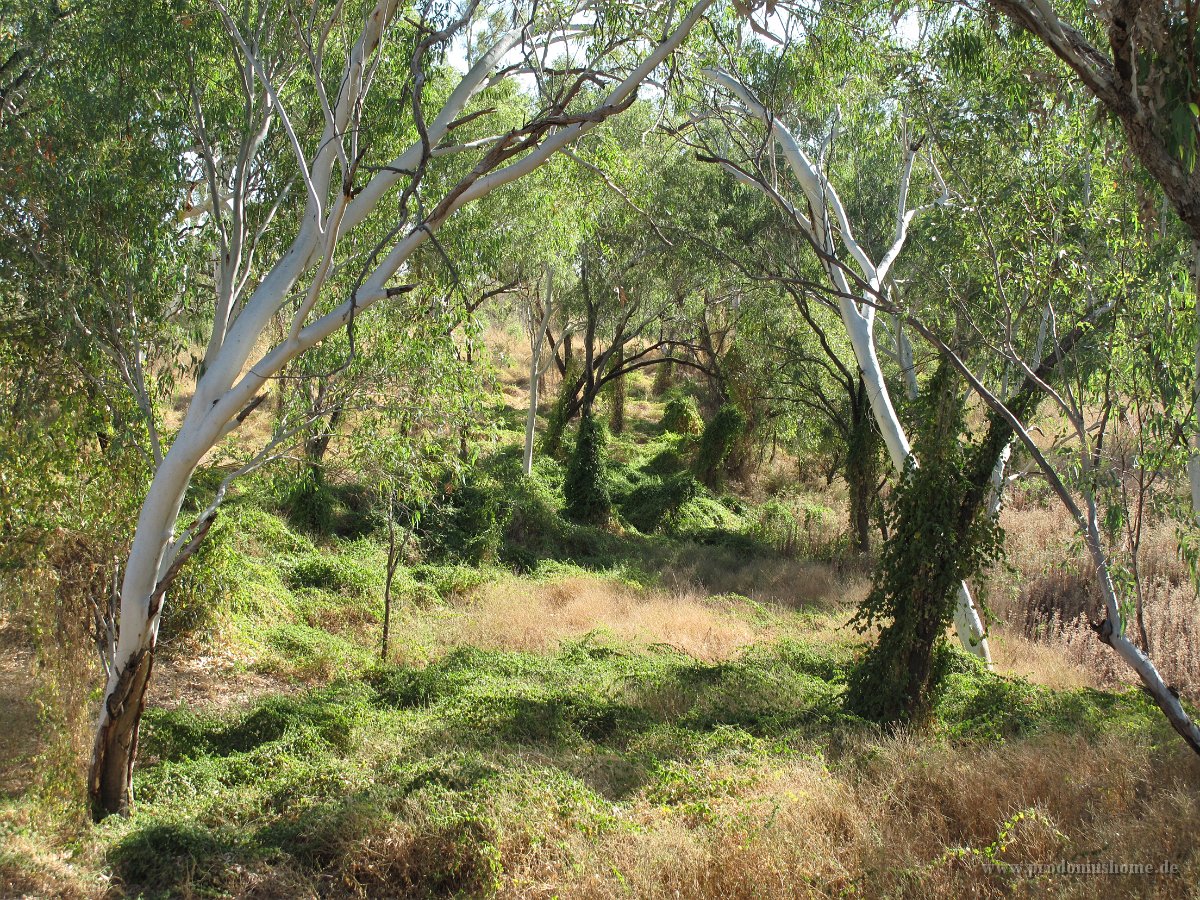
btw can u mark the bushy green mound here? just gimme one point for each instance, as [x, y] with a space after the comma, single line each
[717, 442]
[681, 415]
[657, 501]
[466, 522]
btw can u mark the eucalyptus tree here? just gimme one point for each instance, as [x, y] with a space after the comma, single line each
[854, 276]
[1139, 60]
[36, 39]
[1079, 469]
[299, 151]
[792, 353]
[1057, 274]
[1084, 306]
[635, 299]
[809, 374]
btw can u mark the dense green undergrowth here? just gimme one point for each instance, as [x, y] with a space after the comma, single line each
[484, 749]
[442, 771]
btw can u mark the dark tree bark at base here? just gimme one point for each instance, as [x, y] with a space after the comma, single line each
[110, 779]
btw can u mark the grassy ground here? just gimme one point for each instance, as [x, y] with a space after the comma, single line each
[575, 712]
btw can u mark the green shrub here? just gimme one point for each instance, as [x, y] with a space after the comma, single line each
[775, 525]
[313, 652]
[150, 859]
[797, 528]
[586, 486]
[308, 503]
[682, 416]
[623, 480]
[466, 524]
[451, 580]
[336, 574]
[231, 572]
[666, 462]
[658, 501]
[702, 516]
[717, 442]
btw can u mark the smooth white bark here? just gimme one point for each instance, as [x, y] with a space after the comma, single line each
[825, 219]
[226, 388]
[537, 370]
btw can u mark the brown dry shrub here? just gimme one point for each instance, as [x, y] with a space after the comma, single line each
[447, 860]
[1053, 601]
[27, 870]
[52, 597]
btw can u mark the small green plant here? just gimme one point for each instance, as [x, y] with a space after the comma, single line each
[797, 528]
[666, 462]
[309, 502]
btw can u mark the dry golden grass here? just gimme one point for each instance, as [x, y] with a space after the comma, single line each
[32, 868]
[911, 821]
[794, 583]
[523, 615]
[1039, 661]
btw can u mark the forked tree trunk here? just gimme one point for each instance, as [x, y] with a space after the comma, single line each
[968, 625]
[148, 569]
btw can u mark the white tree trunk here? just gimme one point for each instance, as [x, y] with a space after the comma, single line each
[531, 417]
[226, 391]
[536, 370]
[825, 216]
